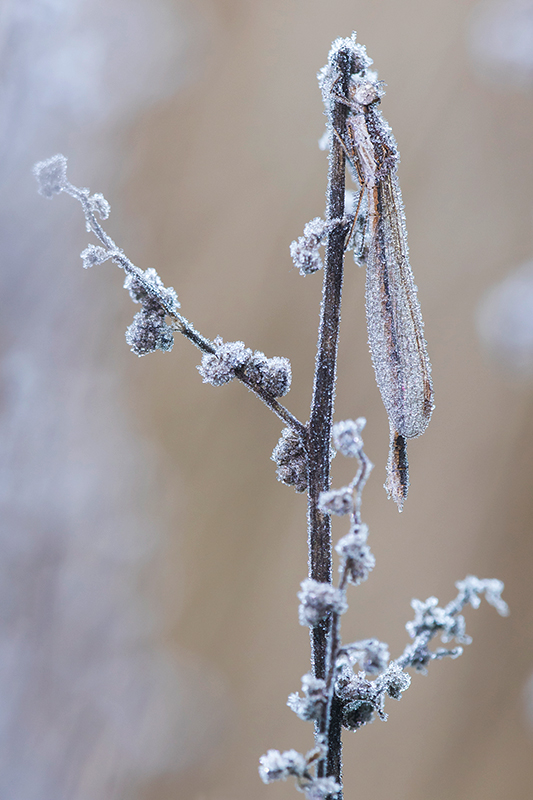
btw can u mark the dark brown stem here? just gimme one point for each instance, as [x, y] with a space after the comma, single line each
[319, 529]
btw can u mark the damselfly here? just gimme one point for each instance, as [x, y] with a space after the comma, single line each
[379, 236]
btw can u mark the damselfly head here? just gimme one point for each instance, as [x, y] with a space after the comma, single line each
[365, 93]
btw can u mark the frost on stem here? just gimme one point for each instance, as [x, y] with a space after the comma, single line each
[356, 557]
[291, 459]
[220, 367]
[318, 600]
[313, 702]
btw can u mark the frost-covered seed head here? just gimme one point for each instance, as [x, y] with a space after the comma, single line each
[51, 175]
[276, 766]
[347, 436]
[163, 294]
[372, 655]
[291, 459]
[396, 681]
[273, 374]
[149, 332]
[99, 205]
[318, 600]
[355, 554]
[321, 788]
[304, 251]
[311, 705]
[471, 587]
[220, 367]
[94, 255]
[337, 501]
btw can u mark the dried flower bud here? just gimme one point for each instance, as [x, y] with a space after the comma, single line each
[219, 368]
[347, 436]
[396, 681]
[304, 251]
[312, 704]
[51, 175]
[291, 459]
[318, 600]
[337, 501]
[99, 205]
[371, 654]
[273, 374]
[276, 766]
[149, 332]
[355, 554]
[163, 297]
[94, 255]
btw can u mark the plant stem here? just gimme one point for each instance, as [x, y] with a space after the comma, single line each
[319, 436]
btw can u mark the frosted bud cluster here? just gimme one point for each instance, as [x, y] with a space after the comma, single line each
[371, 654]
[291, 459]
[149, 331]
[220, 367]
[313, 702]
[347, 436]
[51, 175]
[471, 587]
[337, 501]
[318, 600]
[356, 556]
[304, 251]
[276, 766]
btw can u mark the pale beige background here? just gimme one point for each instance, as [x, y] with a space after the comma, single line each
[210, 186]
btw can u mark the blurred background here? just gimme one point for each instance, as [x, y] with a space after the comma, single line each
[149, 559]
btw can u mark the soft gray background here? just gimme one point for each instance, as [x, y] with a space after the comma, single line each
[150, 560]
